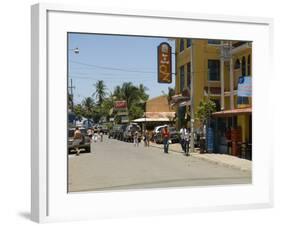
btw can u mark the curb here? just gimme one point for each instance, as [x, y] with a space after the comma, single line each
[244, 169]
[197, 155]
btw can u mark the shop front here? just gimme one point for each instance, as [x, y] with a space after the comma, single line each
[234, 132]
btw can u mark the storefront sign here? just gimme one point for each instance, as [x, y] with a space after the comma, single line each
[120, 105]
[164, 63]
[245, 86]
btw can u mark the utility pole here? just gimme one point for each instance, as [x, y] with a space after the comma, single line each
[231, 78]
[192, 96]
[71, 87]
[222, 74]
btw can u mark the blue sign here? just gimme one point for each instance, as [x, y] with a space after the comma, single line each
[210, 139]
[245, 86]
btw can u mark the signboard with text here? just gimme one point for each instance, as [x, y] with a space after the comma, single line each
[120, 105]
[244, 86]
[164, 63]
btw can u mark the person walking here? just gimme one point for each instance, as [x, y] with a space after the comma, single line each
[90, 133]
[77, 139]
[187, 136]
[101, 136]
[146, 138]
[182, 135]
[136, 138]
[166, 136]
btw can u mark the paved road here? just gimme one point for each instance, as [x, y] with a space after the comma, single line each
[117, 165]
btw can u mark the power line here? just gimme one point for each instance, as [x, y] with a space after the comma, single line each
[112, 68]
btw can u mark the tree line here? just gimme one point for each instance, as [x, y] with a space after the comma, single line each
[101, 103]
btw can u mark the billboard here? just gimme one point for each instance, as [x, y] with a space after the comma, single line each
[164, 63]
[120, 105]
[244, 86]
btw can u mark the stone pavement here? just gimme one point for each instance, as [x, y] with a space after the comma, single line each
[221, 159]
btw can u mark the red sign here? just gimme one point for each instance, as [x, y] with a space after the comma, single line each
[120, 105]
[164, 63]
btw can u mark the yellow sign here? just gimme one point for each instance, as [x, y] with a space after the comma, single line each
[164, 63]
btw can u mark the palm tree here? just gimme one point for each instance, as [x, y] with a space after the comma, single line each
[134, 97]
[88, 107]
[100, 92]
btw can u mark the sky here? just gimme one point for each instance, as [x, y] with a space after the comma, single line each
[114, 59]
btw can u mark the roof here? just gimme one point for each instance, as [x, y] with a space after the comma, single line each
[229, 113]
[156, 117]
[159, 114]
[151, 120]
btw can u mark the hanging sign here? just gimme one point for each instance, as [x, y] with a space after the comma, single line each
[244, 86]
[164, 63]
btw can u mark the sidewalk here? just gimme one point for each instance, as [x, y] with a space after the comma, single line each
[220, 159]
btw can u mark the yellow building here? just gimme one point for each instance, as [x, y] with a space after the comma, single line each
[215, 75]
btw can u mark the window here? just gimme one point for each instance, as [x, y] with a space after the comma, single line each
[237, 64]
[188, 75]
[181, 45]
[249, 64]
[218, 104]
[243, 66]
[214, 42]
[181, 78]
[213, 70]
[188, 43]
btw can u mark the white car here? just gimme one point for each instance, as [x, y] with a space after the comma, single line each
[156, 131]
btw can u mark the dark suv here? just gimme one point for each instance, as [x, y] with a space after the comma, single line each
[120, 132]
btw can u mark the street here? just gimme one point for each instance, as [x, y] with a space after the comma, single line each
[117, 165]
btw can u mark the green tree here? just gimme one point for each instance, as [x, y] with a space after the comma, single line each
[135, 96]
[205, 110]
[79, 111]
[88, 107]
[100, 91]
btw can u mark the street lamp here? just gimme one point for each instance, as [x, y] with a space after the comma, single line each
[71, 87]
[75, 50]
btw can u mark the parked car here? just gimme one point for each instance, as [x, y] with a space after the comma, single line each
[174, 135]
[104, 128]
[157, 130]
[100, 128]
[130, 131]
[120, 132]
[84, 144]
[114, 131]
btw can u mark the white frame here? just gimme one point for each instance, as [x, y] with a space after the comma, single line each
[40, 171]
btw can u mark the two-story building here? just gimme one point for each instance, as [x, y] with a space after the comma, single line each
[214, 68]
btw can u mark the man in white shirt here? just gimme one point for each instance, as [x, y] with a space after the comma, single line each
[184, 135]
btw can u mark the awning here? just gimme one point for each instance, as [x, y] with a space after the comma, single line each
[151, 120]
[160, 114]
[156, 117]
[234, 112]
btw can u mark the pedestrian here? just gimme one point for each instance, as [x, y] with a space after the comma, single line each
[166, 137]
[101, 136]
[95, 137]
[90, 133]
[136, 138]
[184, 135]
[146, 138]
[77, 139]
[187, 142]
